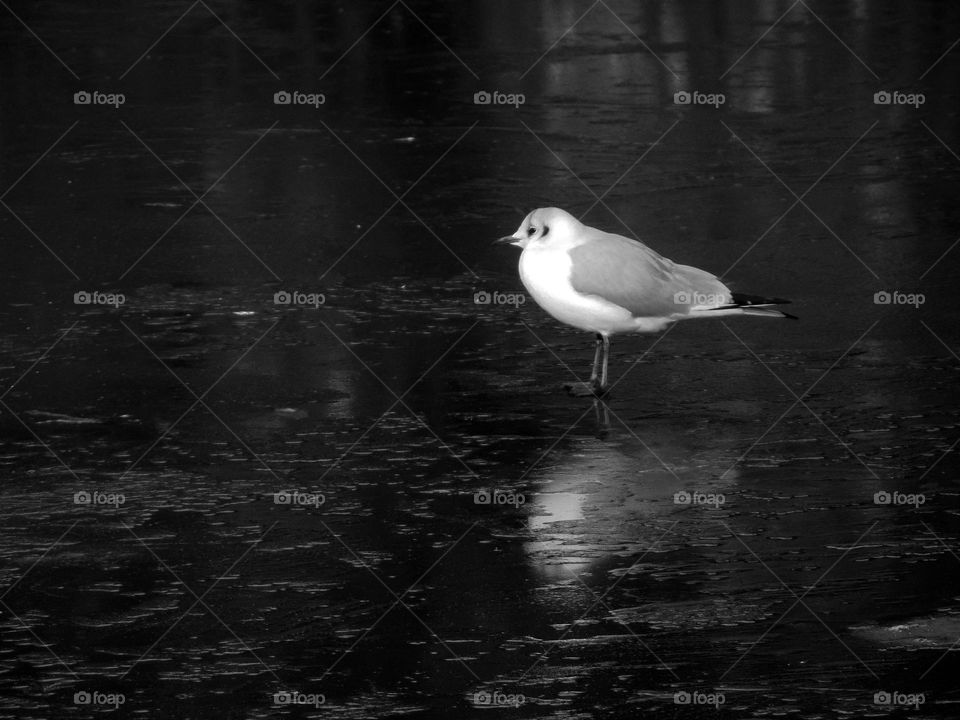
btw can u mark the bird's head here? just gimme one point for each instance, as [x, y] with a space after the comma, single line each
[543, 226]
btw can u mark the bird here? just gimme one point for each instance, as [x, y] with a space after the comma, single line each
[608, 284]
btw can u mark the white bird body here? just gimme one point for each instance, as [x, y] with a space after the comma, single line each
[545, 273]
[607, 284]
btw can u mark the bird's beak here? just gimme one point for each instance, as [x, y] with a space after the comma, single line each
[507, 239]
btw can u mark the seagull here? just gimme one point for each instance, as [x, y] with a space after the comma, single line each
[606, 284]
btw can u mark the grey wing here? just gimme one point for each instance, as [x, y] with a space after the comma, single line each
[633, 276]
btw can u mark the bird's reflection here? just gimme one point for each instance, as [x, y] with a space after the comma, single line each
[608, 499]
[601, 414]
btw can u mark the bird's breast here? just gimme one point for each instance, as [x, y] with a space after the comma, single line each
[545, 274]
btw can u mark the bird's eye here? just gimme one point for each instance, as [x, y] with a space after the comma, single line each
[531, 231]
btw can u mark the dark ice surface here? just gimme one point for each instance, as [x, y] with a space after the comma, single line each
[217, 505]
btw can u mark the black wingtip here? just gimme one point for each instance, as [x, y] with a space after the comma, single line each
[758, 301]
[741, 299]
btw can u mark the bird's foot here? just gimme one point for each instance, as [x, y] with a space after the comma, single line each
[585, 389]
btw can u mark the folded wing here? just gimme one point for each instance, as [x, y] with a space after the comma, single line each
[631, 275]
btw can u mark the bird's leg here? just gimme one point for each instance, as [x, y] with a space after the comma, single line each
[596, 360]
[601, 387]
[586, 389]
